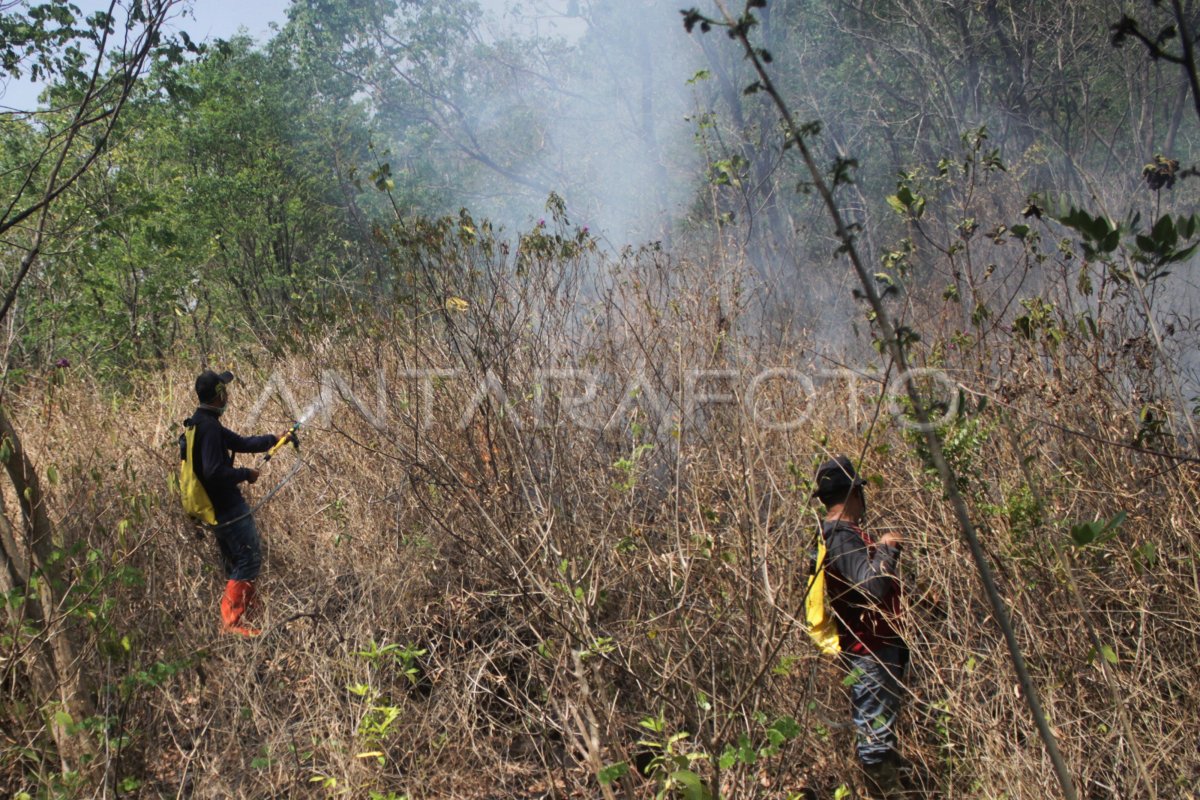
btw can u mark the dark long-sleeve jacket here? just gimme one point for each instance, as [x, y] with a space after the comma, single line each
[212, 460]
[863, 588]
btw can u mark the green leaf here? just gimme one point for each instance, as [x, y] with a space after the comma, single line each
[787, 727]
[1110, 241]
[690, 785]
[1187, 226]
[382, 178]
[655, 724]
[1084, 534]
[1145, 556]
[1181, 255]
[612, 772]
[1164, 231]
[745, 751]
[1109, 654]
[1092, 228]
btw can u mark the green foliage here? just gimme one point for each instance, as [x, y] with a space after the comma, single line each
[1170, 240]
[1096, 533]
[574, 591]
[728, 171]
[906, 203]
[45, 39]
[1162, 245]
[627, 467]
[671, 766]
[964, 437]
[157, 674]
[1152, 427]
[1038, 322]
[92, 595]
[378, 716]
[1022, 513]
[612, 772]
[1106, 652]
[1145, 557]
[222, 213]
[748, 753]
[380, 713]
[1100, 235]
[675, 765]
[601, 645]
[404, 657]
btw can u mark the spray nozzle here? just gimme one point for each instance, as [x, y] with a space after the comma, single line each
[290, 436]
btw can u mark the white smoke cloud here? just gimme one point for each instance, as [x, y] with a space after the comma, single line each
[610, 131]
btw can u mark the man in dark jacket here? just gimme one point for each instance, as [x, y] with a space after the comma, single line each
[212, 461]
[864, 594]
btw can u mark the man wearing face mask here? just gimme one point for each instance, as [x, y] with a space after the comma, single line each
[213, 446]
[862, 583]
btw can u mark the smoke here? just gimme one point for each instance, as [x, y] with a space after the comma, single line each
[595, 101]
[588, 100]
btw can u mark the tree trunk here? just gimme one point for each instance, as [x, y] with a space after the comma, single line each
[51, 662]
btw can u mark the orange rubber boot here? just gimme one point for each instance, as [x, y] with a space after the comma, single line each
[252, 604]
[238, 595]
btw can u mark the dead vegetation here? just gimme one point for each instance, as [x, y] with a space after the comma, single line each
[582, 544]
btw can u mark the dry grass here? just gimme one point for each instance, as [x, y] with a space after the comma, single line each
[559, 595]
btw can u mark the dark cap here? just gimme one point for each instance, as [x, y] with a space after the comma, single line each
[836, 477]
[210, 384]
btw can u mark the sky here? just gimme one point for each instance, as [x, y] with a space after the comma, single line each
[202, 19]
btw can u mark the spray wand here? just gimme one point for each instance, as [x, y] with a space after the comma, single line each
[290, 436]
